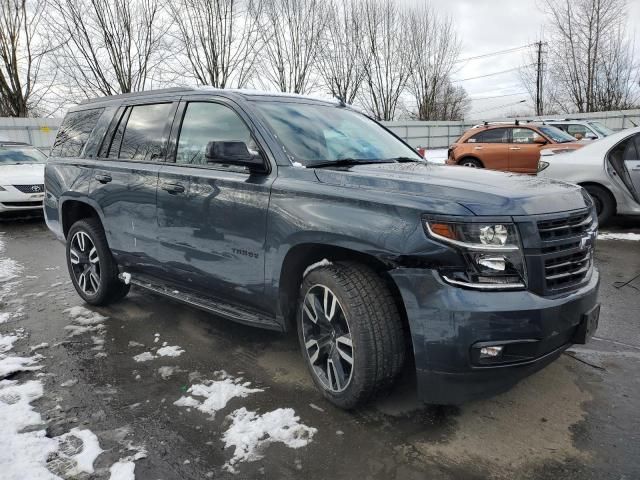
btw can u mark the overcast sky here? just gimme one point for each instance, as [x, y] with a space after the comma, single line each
[486, 26]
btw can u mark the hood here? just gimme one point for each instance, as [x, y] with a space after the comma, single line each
[25, 174]
[483, 192]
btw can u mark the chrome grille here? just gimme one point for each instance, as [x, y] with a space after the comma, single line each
[566, 248]
[33, 188]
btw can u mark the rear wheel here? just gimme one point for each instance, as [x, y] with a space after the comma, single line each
[471, 162]
[350, 333]
[92, 268]
[603, 201]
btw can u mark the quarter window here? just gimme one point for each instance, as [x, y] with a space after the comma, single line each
[74, 132]
[209, 122]
[495, 135]
[144, 136]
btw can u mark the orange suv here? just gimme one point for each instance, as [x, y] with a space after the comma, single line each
[512, 147]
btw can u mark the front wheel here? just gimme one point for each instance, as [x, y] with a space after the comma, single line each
[471, 162]
[350, 333]
[92, 268]
[603, 201]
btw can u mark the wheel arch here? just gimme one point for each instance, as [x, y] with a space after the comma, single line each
[605, 188]
[72, 210]
[302, 256]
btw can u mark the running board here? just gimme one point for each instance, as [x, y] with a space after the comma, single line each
[216, 307]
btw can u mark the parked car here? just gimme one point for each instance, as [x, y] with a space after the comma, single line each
[21, 177]
[608, 169]
[581, 129]
[511, 147]
[290, 213]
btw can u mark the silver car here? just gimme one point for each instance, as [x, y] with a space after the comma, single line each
[609, 169]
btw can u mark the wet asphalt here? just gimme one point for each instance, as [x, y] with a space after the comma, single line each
[578, 418]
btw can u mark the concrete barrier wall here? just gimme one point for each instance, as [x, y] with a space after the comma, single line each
[40, 132]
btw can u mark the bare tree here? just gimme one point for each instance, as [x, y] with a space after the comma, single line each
[434, 49]
[291, 33]
[218, 39]
[344, 53]
[20, 56]
[110, 46]
[582, 31]
[390, 61]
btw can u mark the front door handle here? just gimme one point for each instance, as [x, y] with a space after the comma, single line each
[514, 148]
[102, 178]
[173, 188]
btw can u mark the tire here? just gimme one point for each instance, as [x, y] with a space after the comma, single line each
[604, 203]
[375, 329]
[88, 252]
[471, 162]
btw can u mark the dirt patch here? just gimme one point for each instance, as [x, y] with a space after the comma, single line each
[518, 429]
[286, 367]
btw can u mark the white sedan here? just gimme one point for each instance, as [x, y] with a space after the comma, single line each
[21, 177]
[609, 169]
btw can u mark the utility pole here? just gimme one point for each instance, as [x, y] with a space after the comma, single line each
[539, 106]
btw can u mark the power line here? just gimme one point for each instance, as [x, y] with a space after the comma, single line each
[491, 54]
[499, 96]
[498, 107]
[492, 74]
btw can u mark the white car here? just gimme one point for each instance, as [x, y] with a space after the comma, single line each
[582, 129]
[609, 169]
[21, 177]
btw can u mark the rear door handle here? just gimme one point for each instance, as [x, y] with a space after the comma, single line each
[173, 188]
[102, 178]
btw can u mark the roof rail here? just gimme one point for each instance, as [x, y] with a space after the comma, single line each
[138, 94]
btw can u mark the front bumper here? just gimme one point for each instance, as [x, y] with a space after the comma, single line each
[12, 199]
[447, 323]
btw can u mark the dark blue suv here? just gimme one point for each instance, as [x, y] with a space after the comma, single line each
[287, 212]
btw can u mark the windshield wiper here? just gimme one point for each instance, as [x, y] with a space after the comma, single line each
[342, 162]
[405, 159]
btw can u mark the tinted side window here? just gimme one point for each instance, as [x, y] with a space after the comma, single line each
[143, 137]
[630, 152]
[209, 122]
[495, 135]
[74, 132]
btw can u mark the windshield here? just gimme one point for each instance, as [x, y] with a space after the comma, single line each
[557, 135]
[318, 134]
[17, 155]
[601, 129]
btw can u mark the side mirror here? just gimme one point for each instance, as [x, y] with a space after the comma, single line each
[591, 136]
[233, 153]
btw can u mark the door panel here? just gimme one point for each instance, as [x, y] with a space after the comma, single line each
[126, 193]
[212, 238]
[491, 147]
[625, 160]
[524, 153]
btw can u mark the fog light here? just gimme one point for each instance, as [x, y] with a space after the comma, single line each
[490, 352]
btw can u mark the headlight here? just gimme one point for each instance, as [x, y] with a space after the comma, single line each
[491, 251]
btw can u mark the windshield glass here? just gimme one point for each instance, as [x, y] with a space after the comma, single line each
[557, 135]
[601, 129]
[317, 134]
[16, 155]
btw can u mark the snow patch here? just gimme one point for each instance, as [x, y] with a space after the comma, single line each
[39, 346]
[250, 433]
[144, 357]
[167, 372]
[126, 278]
[122, 470]
[322, 263]
[216, 393]
[170, 351]
[618, 236]
[87, 455]
[9, 268]
[84, 316]
[10, 365]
